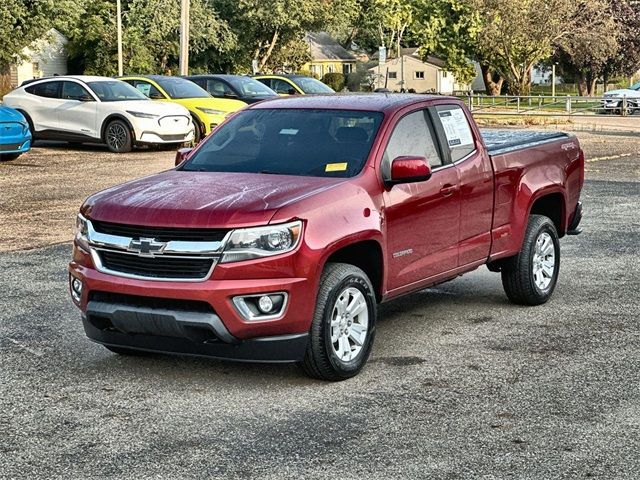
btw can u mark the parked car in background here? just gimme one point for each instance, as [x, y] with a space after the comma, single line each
[238, 87]
[294, 84]
[627, 99]
[15, 136]
[277, 237]
[87, 109]
[207, 112]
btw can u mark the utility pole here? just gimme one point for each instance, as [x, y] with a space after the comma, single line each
[184, 37]
[119, 21]
[553, 80]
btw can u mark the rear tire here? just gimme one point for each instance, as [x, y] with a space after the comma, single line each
[530, 277]
[343, 326]
[118, 137]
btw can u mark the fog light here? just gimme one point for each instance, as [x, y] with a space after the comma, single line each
[261, 306]
[76, 289]
[265, 304]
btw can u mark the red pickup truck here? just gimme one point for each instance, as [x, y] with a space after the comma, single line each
[275, 239]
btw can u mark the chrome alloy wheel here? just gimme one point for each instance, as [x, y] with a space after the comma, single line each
[544, 261]
[117, 136]
[349, 324]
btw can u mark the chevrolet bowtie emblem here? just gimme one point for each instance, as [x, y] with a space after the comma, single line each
[146, 247]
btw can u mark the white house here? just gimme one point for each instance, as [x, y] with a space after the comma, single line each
[43, 58]
[422, 76]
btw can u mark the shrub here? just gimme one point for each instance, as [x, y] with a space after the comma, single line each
[335, 80]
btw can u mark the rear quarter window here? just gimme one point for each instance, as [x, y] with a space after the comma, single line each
[457, 131]
[45, 89]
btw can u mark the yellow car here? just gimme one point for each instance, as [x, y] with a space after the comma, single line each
[294, 84]
[207, 111]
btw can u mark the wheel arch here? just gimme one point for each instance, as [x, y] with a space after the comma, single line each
[116, 116]
[365, 254]
[552, 204]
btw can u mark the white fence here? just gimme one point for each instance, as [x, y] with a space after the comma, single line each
[542, 105]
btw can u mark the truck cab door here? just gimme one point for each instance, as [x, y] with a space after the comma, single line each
[466, 151]
[422, 218]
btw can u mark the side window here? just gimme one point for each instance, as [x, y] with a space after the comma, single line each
[46, 89]
[412, 136]
[265, 81]
[457, 131]
[73, 91]
[218, 88]
[280, 86]
[148, 90]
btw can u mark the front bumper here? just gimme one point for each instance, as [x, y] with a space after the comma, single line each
[15, 143]
[147, 323]
[183, 332]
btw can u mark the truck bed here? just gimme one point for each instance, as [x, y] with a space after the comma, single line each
[504, 141]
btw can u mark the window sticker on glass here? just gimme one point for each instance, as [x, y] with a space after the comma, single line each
[456, 127]
[288, 131]
[335, 167]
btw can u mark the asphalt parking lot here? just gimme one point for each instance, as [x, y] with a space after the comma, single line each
[461, 384]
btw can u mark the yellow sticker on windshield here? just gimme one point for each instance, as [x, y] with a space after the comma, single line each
[335, 167]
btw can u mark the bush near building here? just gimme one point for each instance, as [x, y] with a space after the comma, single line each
[335, 80]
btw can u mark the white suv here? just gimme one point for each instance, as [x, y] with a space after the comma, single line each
[99, 109]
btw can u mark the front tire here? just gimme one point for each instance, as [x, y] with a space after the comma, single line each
[530, 277]
[7, 157]
[118, 137]
[343, 326]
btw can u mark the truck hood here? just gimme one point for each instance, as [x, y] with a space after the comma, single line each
[202, 199]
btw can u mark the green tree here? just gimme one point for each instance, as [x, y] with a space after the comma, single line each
[22, 22]
[266, 27]
[448, 29]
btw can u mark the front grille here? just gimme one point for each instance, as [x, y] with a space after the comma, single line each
[7, 147]
[174, 122]
[171, 138]
[161, 234]
[157, 267]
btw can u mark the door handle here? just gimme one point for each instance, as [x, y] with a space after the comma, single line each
[448, 190]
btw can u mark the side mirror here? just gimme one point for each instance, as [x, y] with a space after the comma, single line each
[409, 169]
[156, 96]
[182, 154]
[292, 91]
[85, 98]
[230, 95]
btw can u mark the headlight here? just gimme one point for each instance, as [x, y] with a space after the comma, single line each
[142, 114]
[211, 111]
[248, 243]
[82, 232]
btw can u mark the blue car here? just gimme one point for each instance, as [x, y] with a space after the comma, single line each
[15, 136]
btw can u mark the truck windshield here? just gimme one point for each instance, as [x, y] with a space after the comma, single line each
[318, 143]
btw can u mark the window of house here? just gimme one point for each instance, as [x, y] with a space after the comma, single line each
[418, 75]
[445, 74]
[393, 75]
[412, 136]
[347, 68]
[330, 68]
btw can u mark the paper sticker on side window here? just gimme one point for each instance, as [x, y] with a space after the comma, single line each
[456, 127]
